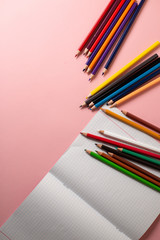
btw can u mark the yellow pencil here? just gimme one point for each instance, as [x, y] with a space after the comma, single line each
[142, 89]
[104, 45]
[125, 68]
[131, 123]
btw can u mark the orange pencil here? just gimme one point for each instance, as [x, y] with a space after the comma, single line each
[131, 123]
[106, 42]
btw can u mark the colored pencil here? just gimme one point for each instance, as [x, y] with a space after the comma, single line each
[125, 68]
[113, 40]
[121, 145]
[105, 28]
[134, 87]
[135, 80]
[131, 123]
[117, 17]
[128, 157]
[129, 141]
[135, 93]
[138, 155]
[121, 169]
[142, 170]
[101, 50]
[123, 36]
[122, 80]
[101, 26]
[141, 121]
[129, 79]
[95, 27]
[129, 168]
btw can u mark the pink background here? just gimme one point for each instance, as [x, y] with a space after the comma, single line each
[42, 85]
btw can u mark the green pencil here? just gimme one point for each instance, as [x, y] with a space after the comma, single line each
[123, 170]
[138, 155]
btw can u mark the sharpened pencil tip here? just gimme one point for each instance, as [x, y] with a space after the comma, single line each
[104, 71]
[77, 54]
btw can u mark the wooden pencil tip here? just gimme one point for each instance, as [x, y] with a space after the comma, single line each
[85, 68]
[101, 131]
[83, 133]
[85, 51]
[88, 70]
[124, 112]
[77, 54]
[93, 108]
[113, 105]
[111, 154]
[110, 102]
[98, 145]
[89, 95]
[83, 105]
[104, 71]
[120, 149]
[103, 110]
[91, 104]
[89, 54]
[87, 151]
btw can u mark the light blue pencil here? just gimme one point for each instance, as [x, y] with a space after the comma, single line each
[109, 97]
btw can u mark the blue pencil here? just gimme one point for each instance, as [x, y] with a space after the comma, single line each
[106, 34]
[130, 89]
[122, 37]
[109, 97]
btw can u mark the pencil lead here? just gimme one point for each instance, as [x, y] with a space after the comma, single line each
[85, 68]
[83, 133]
[104, 71]
[77, 54]
[83, 105]
[91, 77]
[93, 108]
[124, 112]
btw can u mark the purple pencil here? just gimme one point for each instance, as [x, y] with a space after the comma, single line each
[108, 48]
[106, 35]
[100, 28]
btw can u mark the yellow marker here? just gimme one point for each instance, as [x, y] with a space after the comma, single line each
[125, 68]
[108, 39]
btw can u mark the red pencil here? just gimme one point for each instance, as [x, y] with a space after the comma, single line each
[95, 27]
[106, 27]
[119, 144]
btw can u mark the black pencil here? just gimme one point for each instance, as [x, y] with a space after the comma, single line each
[127, 156]
[122, 80]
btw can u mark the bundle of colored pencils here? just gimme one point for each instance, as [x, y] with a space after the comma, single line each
[115, 22]
[121, 153]
[125, 84]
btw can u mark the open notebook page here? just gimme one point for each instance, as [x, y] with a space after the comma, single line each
[81, 198]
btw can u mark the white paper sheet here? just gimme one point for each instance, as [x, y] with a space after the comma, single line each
[81, 198]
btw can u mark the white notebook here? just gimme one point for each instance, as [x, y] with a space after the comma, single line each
[84, 199]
